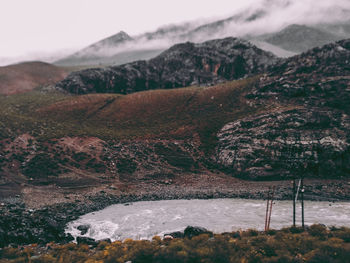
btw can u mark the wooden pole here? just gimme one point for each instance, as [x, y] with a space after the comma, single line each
[267, 209]
[271, 202]
[294, 202]
[302, 202]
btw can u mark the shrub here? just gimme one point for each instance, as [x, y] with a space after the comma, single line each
[343, 233]
[318, 231]
[284, 247]
[41, 166]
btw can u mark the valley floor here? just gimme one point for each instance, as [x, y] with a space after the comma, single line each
[200, 185]
[39, 214]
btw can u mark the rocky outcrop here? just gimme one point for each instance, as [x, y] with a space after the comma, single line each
[319, 77]
[180, 66]
[313, 138]
[313, 142]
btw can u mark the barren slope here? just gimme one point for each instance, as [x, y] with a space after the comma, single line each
[29, 75]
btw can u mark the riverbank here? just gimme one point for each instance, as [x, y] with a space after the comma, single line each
[40, 215]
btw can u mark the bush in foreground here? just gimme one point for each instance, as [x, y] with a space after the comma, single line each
[317, 244]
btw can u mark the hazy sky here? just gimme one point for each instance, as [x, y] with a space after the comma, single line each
[28, 26]
[32, 29]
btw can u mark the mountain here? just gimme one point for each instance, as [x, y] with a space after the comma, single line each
[121, 48]
[300, 38]
[273, 25]
[340, 29]
[98, 52]
[220, 28]
[182, 65]
[26, 76]
[109, 51]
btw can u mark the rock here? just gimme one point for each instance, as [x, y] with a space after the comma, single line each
[108, 240]
[83, 229]
[87, 240]
[192, 231]
[168, 238]
[182, 65]
[177, 234]
[236, 234]
[68, 238]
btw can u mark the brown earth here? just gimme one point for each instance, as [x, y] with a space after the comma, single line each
[26, 76]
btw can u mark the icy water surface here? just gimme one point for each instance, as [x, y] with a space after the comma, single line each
[143, 220]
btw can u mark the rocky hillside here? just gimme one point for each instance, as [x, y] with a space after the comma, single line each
[319, 77]
[182, 65]
[308, 130]
[293, 119]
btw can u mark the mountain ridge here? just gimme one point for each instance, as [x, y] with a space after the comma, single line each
[247, 23]
[181, 65]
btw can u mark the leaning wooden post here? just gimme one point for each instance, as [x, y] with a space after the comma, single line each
[267, 209]
[271, 202]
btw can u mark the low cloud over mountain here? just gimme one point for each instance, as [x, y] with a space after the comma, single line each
[266, 22]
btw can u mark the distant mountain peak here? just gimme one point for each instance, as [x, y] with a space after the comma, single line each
[101, 47]
[122, 35]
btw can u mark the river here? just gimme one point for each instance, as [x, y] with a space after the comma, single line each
[143, 220]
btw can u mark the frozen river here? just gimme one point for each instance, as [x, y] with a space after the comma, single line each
[143, 220]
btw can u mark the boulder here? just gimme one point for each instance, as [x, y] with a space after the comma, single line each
[192, 231]
[83, 229]
[108, 240]
[87, 240]
[177, 234]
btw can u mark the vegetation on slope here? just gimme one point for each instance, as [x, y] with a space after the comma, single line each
[317, 244]
[179, 113]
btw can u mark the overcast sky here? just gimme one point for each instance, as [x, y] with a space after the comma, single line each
[31, 29]
[28, 26]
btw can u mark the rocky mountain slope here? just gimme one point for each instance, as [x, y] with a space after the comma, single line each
[182, 65]
[265, 127]
[308, 131]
